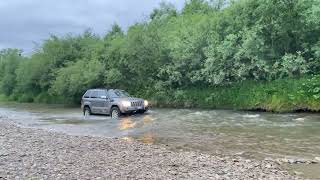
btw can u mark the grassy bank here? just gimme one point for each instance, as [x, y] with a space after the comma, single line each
[284, 95]
[31, 98]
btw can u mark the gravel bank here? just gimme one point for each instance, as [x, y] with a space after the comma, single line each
[37, 154]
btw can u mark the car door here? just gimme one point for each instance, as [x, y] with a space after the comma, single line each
[94, 102]
[102, 102]
[109, 102]
[86, 99]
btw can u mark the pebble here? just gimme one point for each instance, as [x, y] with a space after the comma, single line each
[38, 154]
[298, 173]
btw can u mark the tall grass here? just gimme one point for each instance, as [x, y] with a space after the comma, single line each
[30, 98]
[284, 95]
[3, 98]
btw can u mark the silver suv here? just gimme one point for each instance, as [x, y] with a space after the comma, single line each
[113, 102]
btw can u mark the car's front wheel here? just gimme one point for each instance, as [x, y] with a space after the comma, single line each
[142, 111]
[86, 112]
[115, 113]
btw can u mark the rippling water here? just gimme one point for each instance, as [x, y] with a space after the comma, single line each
[248, 134]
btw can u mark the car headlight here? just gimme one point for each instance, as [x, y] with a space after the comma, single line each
[126, 103]
[146, 103]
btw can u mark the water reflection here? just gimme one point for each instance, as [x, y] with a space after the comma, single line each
[148, 138]
[126, 138]
[126, 123]
[147, 119]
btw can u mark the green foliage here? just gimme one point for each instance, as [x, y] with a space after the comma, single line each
[292, 66]
[60, 52]
[205, 55]
[29, 73]
[311, 88]
[185, 39]
[284, 95]
[73, 80]
[44, 97]
[165, 10]
[197, 6]
[3, 98]
[9, 62]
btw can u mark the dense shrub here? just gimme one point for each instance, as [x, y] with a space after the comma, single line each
[281, 95]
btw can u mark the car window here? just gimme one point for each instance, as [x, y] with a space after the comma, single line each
[87, 94]
[94, 94]
[118, 93]
[111, 94]
[102, 93]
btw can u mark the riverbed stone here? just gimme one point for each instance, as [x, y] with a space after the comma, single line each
[29, 153]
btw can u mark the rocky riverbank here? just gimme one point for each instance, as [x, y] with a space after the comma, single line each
[37, 154]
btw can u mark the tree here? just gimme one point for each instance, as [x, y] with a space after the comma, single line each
[72, 81]
[197, 6]
[164, 10]
[29, 73]
[9, 61]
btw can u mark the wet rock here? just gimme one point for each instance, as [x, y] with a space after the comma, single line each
[235, 160]
[313, 162]
[268, 159]
[268, 166]
[295, 161]
[298, 173]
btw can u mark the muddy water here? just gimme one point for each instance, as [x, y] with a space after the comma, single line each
[247, 134]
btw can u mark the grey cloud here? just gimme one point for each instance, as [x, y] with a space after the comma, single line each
[23, 22]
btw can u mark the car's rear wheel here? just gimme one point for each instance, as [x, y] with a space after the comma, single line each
[86, 112]
[115, 113]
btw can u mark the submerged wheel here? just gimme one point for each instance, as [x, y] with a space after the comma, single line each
[115, 113]
[86, 111]
[142, 111]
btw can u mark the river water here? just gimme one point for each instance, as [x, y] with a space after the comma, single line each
[217, 132]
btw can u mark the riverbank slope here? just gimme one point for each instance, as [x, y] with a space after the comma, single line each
[33, 153]
[283, 95]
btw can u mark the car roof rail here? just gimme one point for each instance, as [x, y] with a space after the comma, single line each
[99, 89]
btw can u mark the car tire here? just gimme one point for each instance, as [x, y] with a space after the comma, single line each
[87, 111]
[115, 113]
[142, 111]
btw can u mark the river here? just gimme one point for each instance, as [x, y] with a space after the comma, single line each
[218, 132]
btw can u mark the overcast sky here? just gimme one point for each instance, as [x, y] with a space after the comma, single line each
[23, 22]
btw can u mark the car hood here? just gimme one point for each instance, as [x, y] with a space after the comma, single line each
[131, 99]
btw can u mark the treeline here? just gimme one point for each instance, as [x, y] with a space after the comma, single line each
[206, 45]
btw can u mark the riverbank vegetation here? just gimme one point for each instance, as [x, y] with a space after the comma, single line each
[283, 95]
[246, 54]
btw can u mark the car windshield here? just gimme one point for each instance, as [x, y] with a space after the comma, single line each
[119, 93]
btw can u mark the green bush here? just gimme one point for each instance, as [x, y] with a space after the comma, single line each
[49, 99]
[3, 98]
[25, 98]
[281, 95]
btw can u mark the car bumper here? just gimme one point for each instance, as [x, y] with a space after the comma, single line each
[134, 109]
